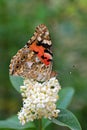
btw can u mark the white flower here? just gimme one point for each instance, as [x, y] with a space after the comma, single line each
[39, 100]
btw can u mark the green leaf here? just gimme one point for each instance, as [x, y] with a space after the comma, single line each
[65, 97]
[14, 123]
[46, 122]
[66, 118]
[16, 81]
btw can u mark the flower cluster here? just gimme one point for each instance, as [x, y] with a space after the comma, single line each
[39, 100]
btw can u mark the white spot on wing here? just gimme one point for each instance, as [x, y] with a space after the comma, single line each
[47, 33]
[37, 59]
[47, 42]
[39, 38]
[29, 64]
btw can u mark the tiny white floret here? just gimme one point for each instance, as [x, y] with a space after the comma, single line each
[39, 100]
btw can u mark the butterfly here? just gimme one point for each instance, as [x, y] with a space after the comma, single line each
[34, 60]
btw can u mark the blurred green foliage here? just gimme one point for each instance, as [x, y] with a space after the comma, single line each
[67, 22]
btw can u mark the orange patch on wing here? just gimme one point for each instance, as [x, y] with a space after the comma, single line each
[40, 50]
[48, 56]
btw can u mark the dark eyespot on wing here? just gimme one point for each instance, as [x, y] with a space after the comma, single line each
[46, 45]
[17, 66]
[35, 52]
[40, 43]
[48, 51]
[27, 44]
[49, 60]
[43, 57]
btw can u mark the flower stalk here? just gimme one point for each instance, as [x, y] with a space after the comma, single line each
[40, 124]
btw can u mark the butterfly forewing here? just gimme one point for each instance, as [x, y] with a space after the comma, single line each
[34, 59]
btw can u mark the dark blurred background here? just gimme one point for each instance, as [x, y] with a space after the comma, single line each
[67, 23]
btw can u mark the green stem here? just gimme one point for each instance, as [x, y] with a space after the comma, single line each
[40, 124]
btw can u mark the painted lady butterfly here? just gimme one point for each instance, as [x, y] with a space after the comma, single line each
[34, 60]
